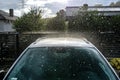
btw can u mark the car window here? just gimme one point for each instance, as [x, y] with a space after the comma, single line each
[61, 63]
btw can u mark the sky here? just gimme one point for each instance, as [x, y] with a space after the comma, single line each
[50, 7]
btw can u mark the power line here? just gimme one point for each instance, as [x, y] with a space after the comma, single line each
[23, 6]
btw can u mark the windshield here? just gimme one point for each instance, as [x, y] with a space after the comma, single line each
[61, 63]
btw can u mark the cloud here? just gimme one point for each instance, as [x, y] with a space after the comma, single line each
[16, 12]
[90, 2]
[50, 6]
[6, 4]
[55, 7]
[35, 3]
[44, 2]
[48, 13]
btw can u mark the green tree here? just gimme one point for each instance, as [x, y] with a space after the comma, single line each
[30, 21]
[115, 4]
[56, 23]
[93, 21]
[84, 21]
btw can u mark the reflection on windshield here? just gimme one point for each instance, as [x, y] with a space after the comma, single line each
[61, 63]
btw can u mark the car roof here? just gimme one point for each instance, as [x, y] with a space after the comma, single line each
[61, 41]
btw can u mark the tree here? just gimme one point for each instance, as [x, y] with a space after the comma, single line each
[93, 21]
[30, 21]
[84, 21]
[115, 4]
[112, 4]
[57, 23]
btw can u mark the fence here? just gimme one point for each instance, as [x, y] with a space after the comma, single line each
[12, 44]
[9, 44]
[107, 42]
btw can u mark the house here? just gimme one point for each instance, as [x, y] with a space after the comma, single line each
[71, 11]
[6, 20]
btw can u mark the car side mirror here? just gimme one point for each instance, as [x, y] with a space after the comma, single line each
[2, 74]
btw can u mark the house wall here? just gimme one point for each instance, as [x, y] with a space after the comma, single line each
[71, 11]
[6, 26]
[110, 13]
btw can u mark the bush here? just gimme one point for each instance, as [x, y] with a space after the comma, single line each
[115, 62]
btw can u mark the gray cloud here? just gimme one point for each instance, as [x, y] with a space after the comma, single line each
[90, 2]
[16, 4]
[6, 4]
[55, 7]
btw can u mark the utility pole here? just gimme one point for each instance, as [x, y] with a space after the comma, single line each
[23, 6]
[23, 3]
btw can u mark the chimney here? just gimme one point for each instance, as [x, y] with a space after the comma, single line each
[11, 13]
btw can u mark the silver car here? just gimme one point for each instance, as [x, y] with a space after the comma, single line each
[61, 59]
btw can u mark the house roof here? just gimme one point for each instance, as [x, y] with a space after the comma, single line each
[107, 10]
[98, 8]
[94, 6]
[6, 16]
